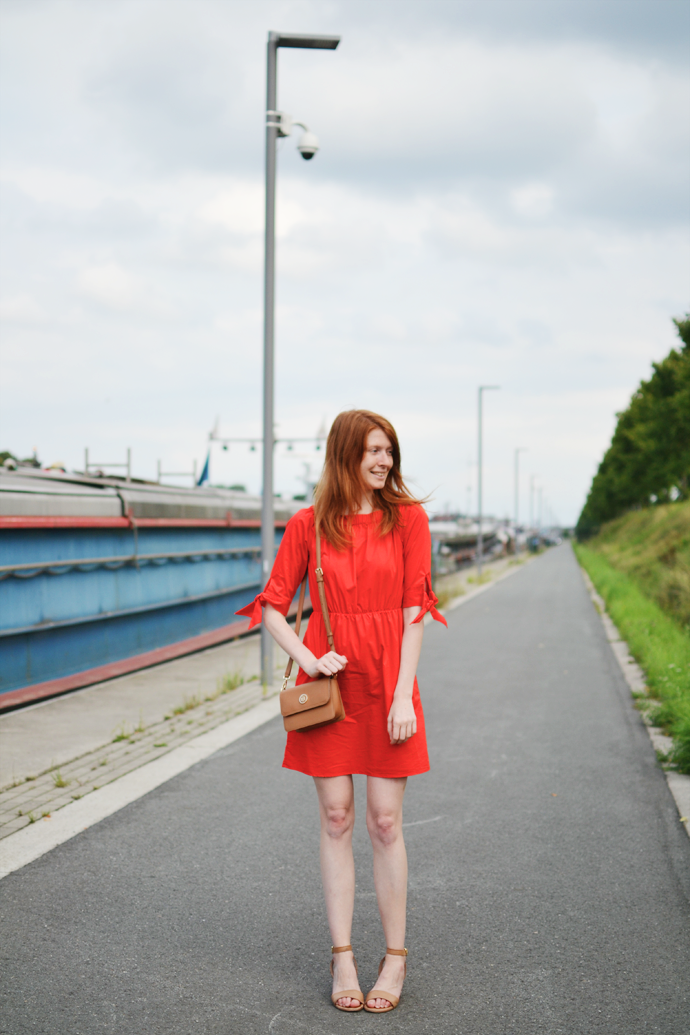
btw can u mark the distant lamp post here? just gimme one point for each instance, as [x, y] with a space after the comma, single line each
[520, 449]
[480, 539]
[541, 491]
[278, 124]
[531, 500]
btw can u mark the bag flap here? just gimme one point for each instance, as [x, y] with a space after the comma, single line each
[308, 695]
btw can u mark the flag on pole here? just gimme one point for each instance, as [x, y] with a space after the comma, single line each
[203, 477]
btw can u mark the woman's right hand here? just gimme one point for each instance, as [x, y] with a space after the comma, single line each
[329, 665]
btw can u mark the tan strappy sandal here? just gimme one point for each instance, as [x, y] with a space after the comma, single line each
[380, 993]
[347, 993]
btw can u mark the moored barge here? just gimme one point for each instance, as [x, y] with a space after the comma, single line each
[100, 576]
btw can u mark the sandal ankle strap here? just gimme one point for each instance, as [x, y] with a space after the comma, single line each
[343, 948]
[396, 952]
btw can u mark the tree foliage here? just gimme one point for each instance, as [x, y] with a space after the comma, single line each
[648, 460]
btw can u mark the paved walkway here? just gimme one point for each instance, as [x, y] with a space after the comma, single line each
[550, 876]
[58, 751]
[54, 732]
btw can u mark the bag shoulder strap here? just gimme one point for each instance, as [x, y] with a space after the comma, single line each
[322, 591]
[322, 600]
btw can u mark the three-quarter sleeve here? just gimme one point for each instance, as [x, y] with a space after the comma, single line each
[417, 590]
[288, 570]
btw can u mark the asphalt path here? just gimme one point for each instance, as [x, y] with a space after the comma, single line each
[549, 875]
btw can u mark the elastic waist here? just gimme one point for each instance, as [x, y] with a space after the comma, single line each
[359, 614]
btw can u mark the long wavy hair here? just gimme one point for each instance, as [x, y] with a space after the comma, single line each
[338, 495]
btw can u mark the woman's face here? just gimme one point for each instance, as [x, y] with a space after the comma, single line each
[377, 460]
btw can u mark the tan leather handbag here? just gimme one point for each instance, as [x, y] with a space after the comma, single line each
[318, 703]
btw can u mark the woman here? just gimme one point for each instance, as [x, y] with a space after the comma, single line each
[376, 556]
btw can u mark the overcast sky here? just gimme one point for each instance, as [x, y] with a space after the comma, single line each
[501, 198]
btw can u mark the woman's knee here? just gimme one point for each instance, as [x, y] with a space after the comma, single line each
[384, 827]
[338, 820]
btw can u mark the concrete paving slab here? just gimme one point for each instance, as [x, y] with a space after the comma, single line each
[54, 732]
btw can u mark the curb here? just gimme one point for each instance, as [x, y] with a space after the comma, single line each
[33, 841]
[678, 783]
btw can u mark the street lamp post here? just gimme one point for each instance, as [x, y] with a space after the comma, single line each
[520, 449]
[541, 490]
[531, 500]
[308, 147]
[480, 539]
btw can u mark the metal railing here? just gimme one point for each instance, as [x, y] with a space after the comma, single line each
[60, 567]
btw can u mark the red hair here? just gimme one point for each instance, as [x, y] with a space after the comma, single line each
[338, 494]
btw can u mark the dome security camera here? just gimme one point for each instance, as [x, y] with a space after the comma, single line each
[308, 145]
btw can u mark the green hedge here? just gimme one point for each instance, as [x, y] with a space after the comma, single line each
[656, 642]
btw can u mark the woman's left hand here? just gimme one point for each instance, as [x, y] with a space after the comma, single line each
[402, 721]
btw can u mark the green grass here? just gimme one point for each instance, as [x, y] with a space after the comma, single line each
[480, 580]
[652, 546]
[657, 642]
[230, 681]
[187, 704]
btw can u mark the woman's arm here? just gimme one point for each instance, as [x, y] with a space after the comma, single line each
[402, 722]
[329, 665]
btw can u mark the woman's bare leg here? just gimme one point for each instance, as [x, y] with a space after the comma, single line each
[384, 823]
[337, 810]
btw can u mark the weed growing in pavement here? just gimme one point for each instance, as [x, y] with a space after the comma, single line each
[140, 728]
[31, 818]
[230, 681]
[20, 812]
[59, 780]
[29, 778]
[481, 580]
[76, 797]
[224, 685]
[187, 704]
[45, 815]
[161, 744]
[121, 734]
[657, 642]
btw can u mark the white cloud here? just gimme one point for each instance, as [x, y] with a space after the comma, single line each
[238, 209]
[21, 309]
[533, 200]
[110, 285]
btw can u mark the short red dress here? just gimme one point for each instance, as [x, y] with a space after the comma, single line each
[367, 585]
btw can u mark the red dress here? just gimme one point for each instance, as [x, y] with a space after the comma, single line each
[367, 585]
